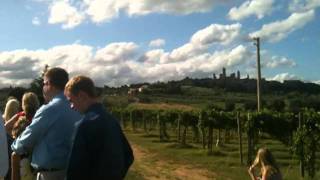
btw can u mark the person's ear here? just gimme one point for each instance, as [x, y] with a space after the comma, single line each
[82, 95]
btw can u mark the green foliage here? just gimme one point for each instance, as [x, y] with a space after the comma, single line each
[250, 105]
[282, 126]
[36, 85]
[295, 105]
[306, 141]
[229, 105]
[115, 101]
[17, 92]
[276, 105]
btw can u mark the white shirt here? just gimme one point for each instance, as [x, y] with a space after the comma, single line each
[4, 161]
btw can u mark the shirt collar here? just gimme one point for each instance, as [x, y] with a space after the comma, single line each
[94, 107]
[59, 96]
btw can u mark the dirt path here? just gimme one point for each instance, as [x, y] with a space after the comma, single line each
[150, 167]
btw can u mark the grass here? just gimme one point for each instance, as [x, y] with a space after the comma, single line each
[224, 160]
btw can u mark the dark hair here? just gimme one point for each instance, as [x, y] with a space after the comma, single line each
[58, 77]
[81, 83]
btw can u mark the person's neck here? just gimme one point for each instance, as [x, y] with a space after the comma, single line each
[91, 102]
[54, 94]
[57, 92]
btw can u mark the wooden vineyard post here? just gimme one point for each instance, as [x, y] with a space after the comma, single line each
[240, 137]
[301, 144]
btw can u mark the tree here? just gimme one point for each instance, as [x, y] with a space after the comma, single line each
[37, 84]
[17, 92]
[276, 105]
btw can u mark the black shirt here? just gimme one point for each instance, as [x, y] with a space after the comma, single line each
[100, 149]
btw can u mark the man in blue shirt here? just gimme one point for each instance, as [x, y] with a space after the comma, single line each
[49, 135]
[100, 150]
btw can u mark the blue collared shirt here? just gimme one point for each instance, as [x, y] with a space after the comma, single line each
[3, 149]
[49, 136]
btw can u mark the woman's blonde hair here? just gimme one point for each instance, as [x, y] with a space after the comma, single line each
[265, 159]
[30, 104]
[12, 108]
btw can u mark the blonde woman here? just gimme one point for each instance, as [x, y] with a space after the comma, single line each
[12, 107]
[20, 165]
[268, 167]
[30, 104]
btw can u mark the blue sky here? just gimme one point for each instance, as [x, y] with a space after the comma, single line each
[120, 42]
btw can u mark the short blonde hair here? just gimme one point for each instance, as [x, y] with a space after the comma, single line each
[81, 83]
[12, 108]
[30, 104]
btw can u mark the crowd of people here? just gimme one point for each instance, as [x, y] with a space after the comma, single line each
[71, 136]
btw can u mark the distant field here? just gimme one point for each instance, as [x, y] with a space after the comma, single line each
[164, 106]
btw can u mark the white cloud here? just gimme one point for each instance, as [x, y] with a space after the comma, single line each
[116, 53]
[317, 82]
[71, 13]
[153, 57]
[253, 7]
[157, 43]
[105, 10]
[303, 5]
[202, 40]
[277, 61]
[123, 62]
[279, 30]
[216, 33]
[226, 58]
[168, 6]
[36, 21]
[61, 12]
[18, 67]
[284, 76]
[115, 64]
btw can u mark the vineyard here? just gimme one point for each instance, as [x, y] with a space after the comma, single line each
[210, 129]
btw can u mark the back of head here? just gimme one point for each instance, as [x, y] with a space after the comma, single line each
[30, 104]
[12, 107]
[81, 83]
[265, 158]
[58, 77]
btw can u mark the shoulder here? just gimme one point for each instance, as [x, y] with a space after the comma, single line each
[21, 113]
[92, 116]
[57, 103]
[270, 171]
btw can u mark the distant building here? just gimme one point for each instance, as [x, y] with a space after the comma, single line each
[142, 88]
[223, 75]
[214, 76]
[233, 76]
[133, 91]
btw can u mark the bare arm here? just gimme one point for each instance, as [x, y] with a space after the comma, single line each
[15, 166]
[10, 123]
[251, 173]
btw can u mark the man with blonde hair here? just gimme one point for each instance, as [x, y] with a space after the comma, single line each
[100, 149]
